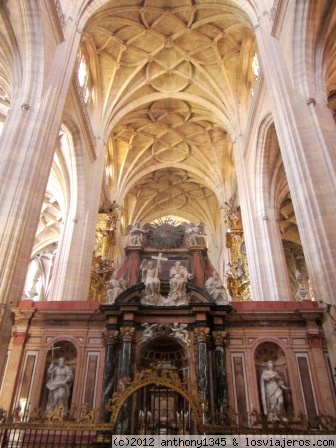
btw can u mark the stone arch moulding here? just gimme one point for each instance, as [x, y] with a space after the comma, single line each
[262, 174]
[282, 344]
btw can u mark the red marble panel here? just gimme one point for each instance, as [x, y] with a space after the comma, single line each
[89, 394]
[307, 388]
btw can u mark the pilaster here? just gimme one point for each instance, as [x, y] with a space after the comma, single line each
[19, 336]
[110, 338]
[201, 335]
[222, 395]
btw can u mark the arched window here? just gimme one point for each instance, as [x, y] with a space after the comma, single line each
[83, 77]
[82, 72]
[255, 65]
[34, 280]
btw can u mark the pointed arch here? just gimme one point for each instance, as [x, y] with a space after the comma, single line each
[269, 170]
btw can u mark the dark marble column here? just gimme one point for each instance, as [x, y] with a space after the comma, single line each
[127, 334]
[222, 396]
[201, 334]
[110, 373]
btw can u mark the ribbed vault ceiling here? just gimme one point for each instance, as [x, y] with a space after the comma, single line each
[174, 80]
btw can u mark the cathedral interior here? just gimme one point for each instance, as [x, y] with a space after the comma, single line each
[167, 213]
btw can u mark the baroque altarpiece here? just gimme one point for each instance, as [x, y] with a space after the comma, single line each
[166, 349]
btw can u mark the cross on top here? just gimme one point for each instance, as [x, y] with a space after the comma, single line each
[159, 257]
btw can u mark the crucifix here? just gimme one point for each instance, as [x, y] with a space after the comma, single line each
[158, 258]
[52, 351]
[53, 348]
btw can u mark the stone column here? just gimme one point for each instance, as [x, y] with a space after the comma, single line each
[71, 274]
[305, 130]
[110, 369]
[201, 334]
[127, 334]
[30, 133]
[266, 260]
[222, 394]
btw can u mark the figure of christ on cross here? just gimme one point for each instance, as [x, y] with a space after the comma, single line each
[150, 275]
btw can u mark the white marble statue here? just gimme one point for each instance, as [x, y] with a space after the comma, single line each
[216, 289]
[196, 234]
[149, 332]
[150, 277]
[178, 280]
[272, 386]
[114, 287]
[135, 234]
[59, 384]
[179, 331]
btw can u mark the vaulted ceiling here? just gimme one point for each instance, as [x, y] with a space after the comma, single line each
[173, 80]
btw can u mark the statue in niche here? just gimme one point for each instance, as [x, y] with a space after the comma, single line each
[178, 280]
[135, 234]
[114, 287]
[179, 331]
[216, 289]
[59, 384]
[272, 386]
[196, 234]
[151, 280]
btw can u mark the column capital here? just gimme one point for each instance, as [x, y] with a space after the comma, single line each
[201, 333]
[110, 336]
[219, 337]
[127, 333]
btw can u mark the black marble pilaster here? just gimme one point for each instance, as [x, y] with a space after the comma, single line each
[202, 370]
[124, 371]
[125, 363]
[222, 397]
[110, 374]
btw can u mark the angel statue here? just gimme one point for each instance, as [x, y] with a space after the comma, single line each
[179, 331]
[149, 332]
[196, 233]
[135, 234]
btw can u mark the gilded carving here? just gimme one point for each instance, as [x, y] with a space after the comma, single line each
[201, 333]
[127, 333]
[110, 336]
[56, 415]
[219, 337]
[87, 415]
[166, 378]
[237, 272]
